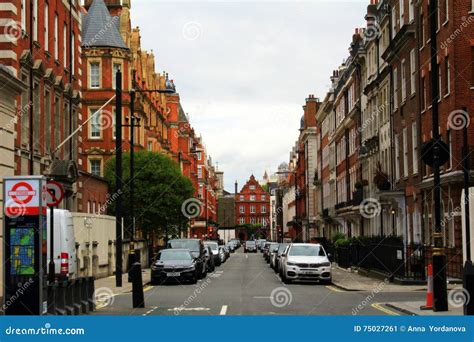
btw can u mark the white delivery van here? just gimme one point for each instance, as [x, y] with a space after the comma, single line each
[64, 244]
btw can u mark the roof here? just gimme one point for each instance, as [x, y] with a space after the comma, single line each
[100, 29]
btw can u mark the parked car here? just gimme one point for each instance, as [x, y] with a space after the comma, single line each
[277, 256]
[210, 261]
[282, 259]
[273, 254]
[197, 249]
[222, 254]
[231, 247]
[226, 251]
[250, 246]
[215, 251]
[305, 261]
[174, 264]
[260, 244]
[268, 249]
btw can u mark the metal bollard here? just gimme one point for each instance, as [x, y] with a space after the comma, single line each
[60, 299]
[91, 293]
[137, 286]
[68, 298]
[84, 295]
[52, 289]
[77, 296]
[468, 285]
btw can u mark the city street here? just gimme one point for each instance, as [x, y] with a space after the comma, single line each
[243, 286]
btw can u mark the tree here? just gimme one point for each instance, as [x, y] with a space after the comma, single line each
[160, 191]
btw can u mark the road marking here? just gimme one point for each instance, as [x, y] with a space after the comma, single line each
[223, 310]
[246, 256]
[379, 307]
[188, 309]
[153, 308]
[147, 288]
[262, 297]
[333, 288]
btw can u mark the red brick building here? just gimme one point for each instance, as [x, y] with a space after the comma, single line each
[252, 207]
[43, 54]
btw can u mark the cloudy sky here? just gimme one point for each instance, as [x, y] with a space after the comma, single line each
[244, 68]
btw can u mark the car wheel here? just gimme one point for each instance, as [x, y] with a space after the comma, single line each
[286, 280]
[326, 282]
[193, 279]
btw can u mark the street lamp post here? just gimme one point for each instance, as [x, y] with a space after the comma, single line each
[439, 258]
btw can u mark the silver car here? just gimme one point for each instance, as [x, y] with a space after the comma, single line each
[305, 261]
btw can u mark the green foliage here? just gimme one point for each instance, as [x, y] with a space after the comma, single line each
[159, 191]
[368, 240]
[338, 236]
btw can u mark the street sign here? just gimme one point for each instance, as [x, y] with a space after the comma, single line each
[24, 246]
[54, 193]
[22, 197]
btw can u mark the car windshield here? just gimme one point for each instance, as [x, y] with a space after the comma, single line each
[213, 245]
[273, 246]
[192, 245]
[250, 243]
[281, 248]
[306, 251]
[174, 255]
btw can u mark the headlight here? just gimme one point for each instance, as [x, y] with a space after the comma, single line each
[191, 268]
[291, 264]
[326, 264]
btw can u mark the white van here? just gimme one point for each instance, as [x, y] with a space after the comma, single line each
[64, 244]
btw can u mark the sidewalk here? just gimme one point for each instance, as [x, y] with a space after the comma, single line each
[109, 283]
[413, 308]
[351, 280]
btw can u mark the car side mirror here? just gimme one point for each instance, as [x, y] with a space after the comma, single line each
[329, 255]
[283, 255]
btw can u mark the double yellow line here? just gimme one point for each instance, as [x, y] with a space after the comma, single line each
[379, 307]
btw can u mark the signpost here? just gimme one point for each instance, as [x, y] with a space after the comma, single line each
[25, 251]
[54, 196]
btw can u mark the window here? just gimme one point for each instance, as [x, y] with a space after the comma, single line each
[397, 158]
[199, 171]
[242, 220]
[411, 11]
[35, 20]
[73, 53]
[446, 11]
[65, 45]
[46, 27]
[403, 84]
[414, 143]
[263, 209]
[252, 220]
[252, 198]
[149, 145]
[422, 30]
[47, 117]
[402, 12]
[242, 197]
[405, 152]
[395, 88]
[242, 209]
[412, 72]
[394, 22]
[23, 15]
[447, 77]
[95, 167]
[94, 78]
[199, 155]
[95, 131]
[56, 39]
[450, 145]
[117, 67]
[252, 187]
[423, 93]
[264, 198]
[440, 82]
[252, 209]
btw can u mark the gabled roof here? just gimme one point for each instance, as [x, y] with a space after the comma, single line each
[100, 29]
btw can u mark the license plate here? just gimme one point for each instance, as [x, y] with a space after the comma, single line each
[173, 274]
[310, 272]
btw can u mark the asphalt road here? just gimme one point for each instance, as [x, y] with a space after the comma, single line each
[246, 285]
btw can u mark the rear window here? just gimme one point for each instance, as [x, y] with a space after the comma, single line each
[185, 244]
[250, 243]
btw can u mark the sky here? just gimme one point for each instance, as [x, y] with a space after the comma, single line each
[243, 69]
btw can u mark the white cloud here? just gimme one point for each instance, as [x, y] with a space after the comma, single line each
[243, 69]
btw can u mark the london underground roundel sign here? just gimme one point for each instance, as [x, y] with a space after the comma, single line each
[22, 197]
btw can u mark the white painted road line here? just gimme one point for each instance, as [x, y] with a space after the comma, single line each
[223, 310]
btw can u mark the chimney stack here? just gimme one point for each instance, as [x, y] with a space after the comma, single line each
[236, 187]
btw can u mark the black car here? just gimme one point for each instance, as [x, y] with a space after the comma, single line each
[196, 247]
[174, 264]
[250, 246]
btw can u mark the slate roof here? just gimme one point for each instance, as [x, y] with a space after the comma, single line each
[100, 29]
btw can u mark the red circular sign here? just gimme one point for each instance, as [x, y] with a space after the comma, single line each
[23, 190]
[55, 193]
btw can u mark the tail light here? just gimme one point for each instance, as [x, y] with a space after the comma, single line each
[64, 263]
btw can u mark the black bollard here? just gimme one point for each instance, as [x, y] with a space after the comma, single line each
[468, 284]
[84, 295]
[91, 293]
[137, 286]
[52, 289]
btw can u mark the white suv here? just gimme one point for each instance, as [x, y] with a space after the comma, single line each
[305, 261]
